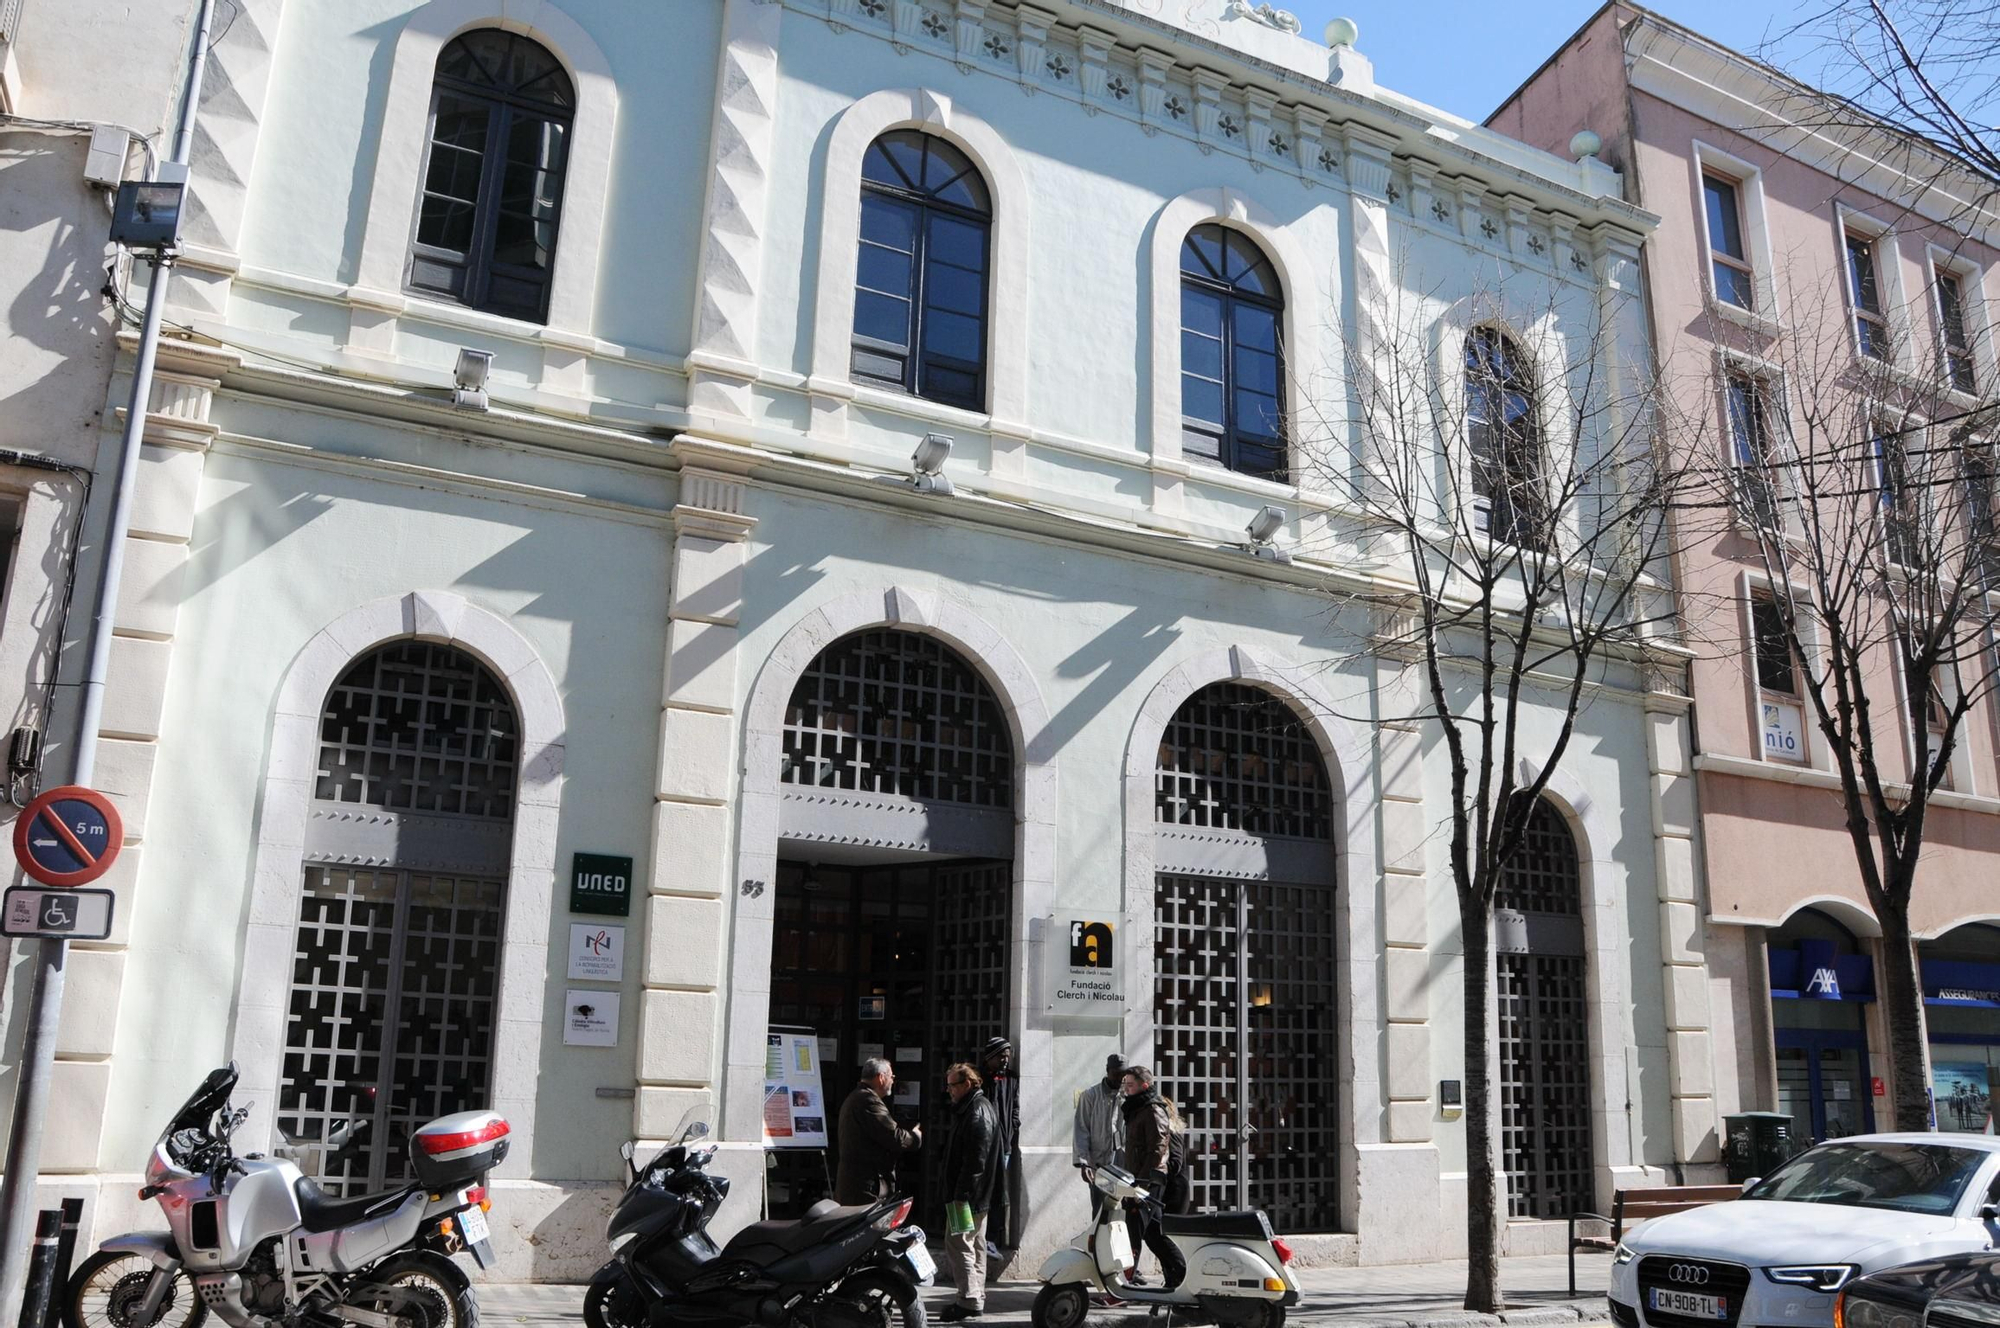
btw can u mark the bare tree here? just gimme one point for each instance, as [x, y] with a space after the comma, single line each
[1503, 465]
[1863, 490]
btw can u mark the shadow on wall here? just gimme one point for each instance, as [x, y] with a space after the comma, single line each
[59, 309]
[549, 1233]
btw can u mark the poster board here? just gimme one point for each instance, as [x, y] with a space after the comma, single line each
[794, 1098]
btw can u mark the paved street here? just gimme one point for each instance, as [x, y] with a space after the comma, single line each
[1398, 1296]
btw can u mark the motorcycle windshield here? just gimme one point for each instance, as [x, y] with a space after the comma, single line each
[196, 1112]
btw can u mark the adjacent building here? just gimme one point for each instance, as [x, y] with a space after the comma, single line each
[1801, 266]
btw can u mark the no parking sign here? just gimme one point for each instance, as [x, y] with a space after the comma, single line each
[68, 836]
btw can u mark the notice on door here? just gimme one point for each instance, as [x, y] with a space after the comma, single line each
[1081, 967]
[794, 1099]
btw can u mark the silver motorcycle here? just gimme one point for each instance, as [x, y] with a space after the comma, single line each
[260, 1244]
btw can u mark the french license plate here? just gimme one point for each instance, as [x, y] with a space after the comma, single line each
[1665, 1300]
[472, 1225]
[920, 1261]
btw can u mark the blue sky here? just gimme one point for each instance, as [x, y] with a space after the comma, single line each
[1466, 57]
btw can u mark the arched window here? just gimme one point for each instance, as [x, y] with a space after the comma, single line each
[492, 187]
[1232, 354]
[1544, 1023]
[920, 278]
[1245, 953]
[396, 960]
[1505, 439]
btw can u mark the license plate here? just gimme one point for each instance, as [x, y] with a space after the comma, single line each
[472, 1223]
[920, 1262]
[1665, 1300]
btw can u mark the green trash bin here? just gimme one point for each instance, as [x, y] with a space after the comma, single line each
[1755, 1142]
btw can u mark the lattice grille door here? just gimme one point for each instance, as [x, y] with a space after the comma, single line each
[971, 955]
[1544, 1031]
[899, 713]
[395, 970]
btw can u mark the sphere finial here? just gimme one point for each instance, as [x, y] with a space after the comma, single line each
[1585, 145]
[1342, 32]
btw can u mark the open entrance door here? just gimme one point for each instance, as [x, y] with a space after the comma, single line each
[908, 961]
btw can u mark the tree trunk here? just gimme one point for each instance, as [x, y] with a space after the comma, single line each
[1482, 1181]
[1902, 999]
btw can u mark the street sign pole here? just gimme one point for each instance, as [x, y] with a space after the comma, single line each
[45, 994]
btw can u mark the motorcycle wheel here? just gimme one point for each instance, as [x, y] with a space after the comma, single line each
[107, 1289]
[443, 1293]
[612, 1305]
[884, 1301]
[1060, 1305]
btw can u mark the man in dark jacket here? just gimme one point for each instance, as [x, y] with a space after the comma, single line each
[996, 1068]
[870, 1140]
[1147, 1143]
[971, 1160]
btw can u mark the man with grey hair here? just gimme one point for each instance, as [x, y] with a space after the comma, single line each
[870, 1141]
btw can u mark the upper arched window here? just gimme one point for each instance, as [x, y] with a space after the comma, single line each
[493, 179]
[1232, 354]
[1504, 437]
[920, 278]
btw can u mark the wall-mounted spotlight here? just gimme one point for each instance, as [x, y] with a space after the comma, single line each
[469, 379]
[1263, 530]
[927, 465]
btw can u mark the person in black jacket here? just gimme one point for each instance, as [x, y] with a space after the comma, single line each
[971, 1161]
[1148, 1145]
[871, 1143]
[996, 1068]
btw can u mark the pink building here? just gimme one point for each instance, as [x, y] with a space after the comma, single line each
[1796, 263]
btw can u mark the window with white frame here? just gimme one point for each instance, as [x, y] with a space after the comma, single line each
[1747, 401]
[1930, 714]
[1733, 280]
[1781, 715]
[1954, 336]
[1866, 255]
[1899, 497]
[1982, 530]
[1504, 437]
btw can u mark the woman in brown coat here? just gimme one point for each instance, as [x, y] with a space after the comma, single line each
[1146, 1145]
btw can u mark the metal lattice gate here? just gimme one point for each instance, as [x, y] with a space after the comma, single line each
[1544, 1025]
[971, 955]
[396, 961]
[1245, 1039]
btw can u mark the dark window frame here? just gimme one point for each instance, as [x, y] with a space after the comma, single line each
[1730, 273]
[1507, 454]
[924, 373]
[1238, 448]
[507, 107]
[1775, 663]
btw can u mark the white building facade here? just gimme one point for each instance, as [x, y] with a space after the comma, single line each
[869, 741]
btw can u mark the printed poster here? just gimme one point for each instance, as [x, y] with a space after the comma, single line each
[794, 1098]
[1961, 1089]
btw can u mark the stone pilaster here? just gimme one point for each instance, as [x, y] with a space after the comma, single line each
[680, 1016]
[175, 446]
[1690, 1050]
[1405, 906]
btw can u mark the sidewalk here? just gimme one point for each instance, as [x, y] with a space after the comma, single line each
[1425, 1295]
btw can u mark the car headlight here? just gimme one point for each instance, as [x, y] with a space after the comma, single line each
[1818, 1276]
[1623, 1254]
[1851, 1311]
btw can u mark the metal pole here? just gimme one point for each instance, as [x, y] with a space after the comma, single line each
[38, 1045]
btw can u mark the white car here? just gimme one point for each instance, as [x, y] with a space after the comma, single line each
[1774, 1258]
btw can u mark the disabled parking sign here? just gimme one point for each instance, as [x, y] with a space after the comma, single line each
[68, 836]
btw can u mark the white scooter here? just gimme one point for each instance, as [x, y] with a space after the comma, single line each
[1237, 1274]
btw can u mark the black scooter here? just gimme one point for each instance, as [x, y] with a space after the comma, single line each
[837, 1268]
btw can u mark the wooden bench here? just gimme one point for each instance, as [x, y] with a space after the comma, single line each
[1636, 1206]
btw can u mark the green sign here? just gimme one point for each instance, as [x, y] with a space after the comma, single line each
[599, 883]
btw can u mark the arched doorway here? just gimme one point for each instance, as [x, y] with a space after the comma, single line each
[1961, 977]
[893, 916]
[396, 959]
[1544, 1023]
[1244, 994]
[1822, 978]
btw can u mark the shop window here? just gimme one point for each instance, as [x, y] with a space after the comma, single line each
[1960, 972]
[1822, 980]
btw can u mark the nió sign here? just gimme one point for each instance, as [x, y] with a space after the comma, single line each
[1082, 967]
[601, 884]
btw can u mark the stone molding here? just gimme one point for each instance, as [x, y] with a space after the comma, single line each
[264, 984]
